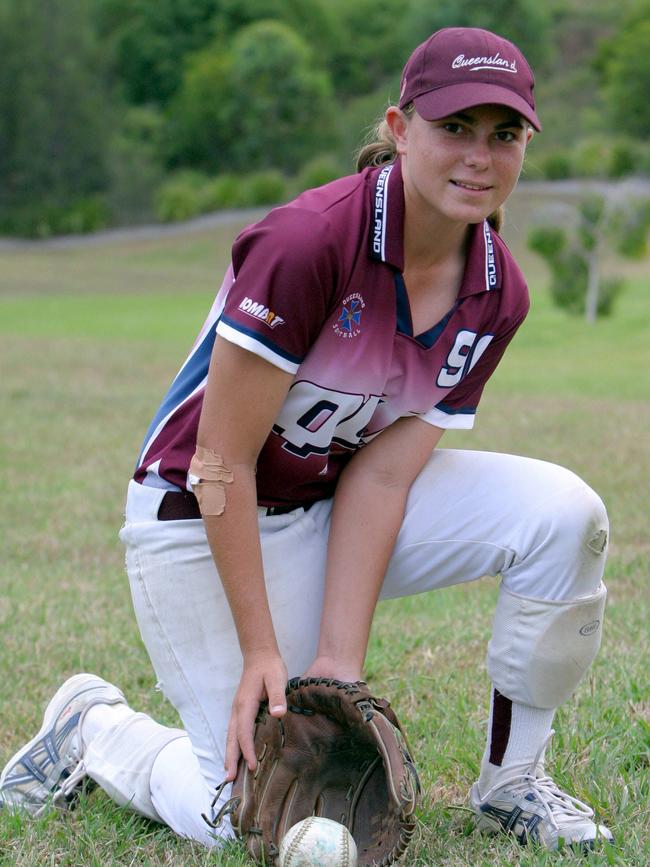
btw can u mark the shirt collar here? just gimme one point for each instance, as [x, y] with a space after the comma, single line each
[386, 237]
[482, 272]
[387, 217]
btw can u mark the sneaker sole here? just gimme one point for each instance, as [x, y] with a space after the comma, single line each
[487, 824]
[73, 687]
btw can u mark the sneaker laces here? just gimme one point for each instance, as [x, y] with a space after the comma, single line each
[561, 808]
[66, 791]
[67, 788]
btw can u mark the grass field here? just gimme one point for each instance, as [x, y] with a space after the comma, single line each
[89, 338]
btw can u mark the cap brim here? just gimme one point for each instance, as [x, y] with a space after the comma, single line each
[445, 101]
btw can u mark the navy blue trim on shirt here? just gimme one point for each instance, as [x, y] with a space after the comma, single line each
[428, 338]
[260, 339]
[186, 382]
[404, 322]
[451, 410]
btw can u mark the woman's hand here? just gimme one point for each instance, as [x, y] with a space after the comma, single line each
[338, 669]
[264, 676]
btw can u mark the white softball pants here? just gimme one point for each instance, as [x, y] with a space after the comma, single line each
[468, 514]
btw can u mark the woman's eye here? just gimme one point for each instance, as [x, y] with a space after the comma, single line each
[453, 128]
[506, 135]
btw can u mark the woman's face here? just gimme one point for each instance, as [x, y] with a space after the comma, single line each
[465, 165]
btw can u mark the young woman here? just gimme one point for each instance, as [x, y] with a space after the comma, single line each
[291, 477]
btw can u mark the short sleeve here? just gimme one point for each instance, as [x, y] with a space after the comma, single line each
[285, 276]
[458, 410]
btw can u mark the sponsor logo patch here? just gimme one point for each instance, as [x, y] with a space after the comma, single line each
[590, 628]
[349, 322]
[259, 311]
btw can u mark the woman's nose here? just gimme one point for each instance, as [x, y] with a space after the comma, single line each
[477, 155]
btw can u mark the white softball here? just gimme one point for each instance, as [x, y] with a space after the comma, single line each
[317, 842]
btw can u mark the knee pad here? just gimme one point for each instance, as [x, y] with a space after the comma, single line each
[541, 648]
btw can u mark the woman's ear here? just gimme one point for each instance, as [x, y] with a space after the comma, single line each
[398, 125]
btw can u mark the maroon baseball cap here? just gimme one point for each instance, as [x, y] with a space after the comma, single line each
[459, 67]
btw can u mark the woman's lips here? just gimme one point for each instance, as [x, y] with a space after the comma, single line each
[470, 187]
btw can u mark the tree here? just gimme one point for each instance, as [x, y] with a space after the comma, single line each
[525, 22]
[625, 63]
[358, 42]
[200, 115]
[370, 47]
[283, 98]
[261, 104]
[149, 41]
[53, 107]
[615, 221]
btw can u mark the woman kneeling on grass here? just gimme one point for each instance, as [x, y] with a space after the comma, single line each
[291, 477]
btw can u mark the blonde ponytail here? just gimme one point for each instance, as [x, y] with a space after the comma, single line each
[496, 218]
[380, 146]
[378, 149]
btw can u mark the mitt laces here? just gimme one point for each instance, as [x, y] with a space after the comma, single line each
[230, 805]
[561, 809]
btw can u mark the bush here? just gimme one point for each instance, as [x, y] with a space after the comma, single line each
[643, 159]
[85, 215]
[188, 193]
[224, 191]
[36, 220]
[597, 158]
[622, 160]
[557, 166]
[631, 227]
[318, 171]
[591, 158]
[178, 198]
[569, 281]
[609, 291]
[263, 188]
[548, 241]
[628, 157]
[135, 174]
[241, 191]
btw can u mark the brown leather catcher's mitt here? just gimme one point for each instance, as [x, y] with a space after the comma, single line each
[338, 753]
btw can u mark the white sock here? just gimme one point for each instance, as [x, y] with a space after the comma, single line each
[516, 733]
[100, 717]
[180, 794]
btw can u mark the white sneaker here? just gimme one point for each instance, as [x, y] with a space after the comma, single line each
[534, 809]
[49, 769]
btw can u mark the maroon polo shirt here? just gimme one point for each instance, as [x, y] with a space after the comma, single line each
[316, 289]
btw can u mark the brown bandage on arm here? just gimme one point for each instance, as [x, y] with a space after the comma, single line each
[208, 478]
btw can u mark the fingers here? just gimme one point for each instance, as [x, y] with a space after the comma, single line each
[232, 750]
[245, 727]
[239, 741]
[275, 689]
[257, 683]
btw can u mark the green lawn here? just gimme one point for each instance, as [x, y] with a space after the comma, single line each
[89, 339]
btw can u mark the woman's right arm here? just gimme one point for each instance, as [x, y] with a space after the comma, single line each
[242, 399]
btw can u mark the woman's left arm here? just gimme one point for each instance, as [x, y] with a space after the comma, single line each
[367, 514]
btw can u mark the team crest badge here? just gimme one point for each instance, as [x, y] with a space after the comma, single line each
[349, 322]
